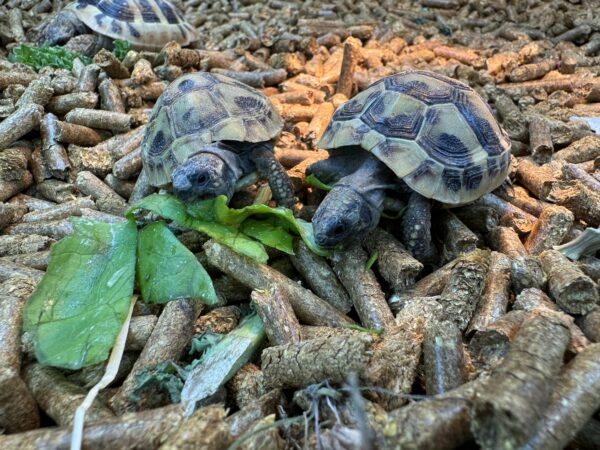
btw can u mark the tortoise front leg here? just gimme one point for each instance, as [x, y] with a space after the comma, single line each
[269, 168]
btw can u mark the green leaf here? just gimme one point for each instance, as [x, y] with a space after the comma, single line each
[121, 48]
[167, 270]
[313, 181]
[222, 361]
[166, 376]
[78, 308]
[204, 341]
[371, 260]
[230, 216]
[269, 232]
[169, 207]
[39, 57]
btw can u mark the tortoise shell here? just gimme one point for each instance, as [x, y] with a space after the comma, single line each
[146, 24]
[201, 108]
[434, 132]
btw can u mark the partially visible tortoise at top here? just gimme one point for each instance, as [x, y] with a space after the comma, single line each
[206, 131]
[145, 24]
[435, 133]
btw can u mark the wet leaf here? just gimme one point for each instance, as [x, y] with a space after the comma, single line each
[222, 361]
[283, 217]
[169, 207]
[269, 232]
[39, 57]
[167, 270]
[78, 308]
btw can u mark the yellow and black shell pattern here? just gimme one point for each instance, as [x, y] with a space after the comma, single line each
[434, 132]
[198, 109]
[146, 24]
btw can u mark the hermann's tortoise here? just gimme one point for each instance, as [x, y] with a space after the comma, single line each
[435, 133]
[206, 131]
[145, 24]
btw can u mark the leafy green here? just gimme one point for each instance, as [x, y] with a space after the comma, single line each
[167, 377]
[78, 308]
[218, 210]
[236, 227]
[269, 232]
[204, 341]
[39, 57]
[371, 260]
[166, 270]
[313, 181]
[170, 207]
[222, 361]
[120, 48]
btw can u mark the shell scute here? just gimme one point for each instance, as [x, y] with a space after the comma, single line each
[395, 115]
[201, 108]
[436, 133]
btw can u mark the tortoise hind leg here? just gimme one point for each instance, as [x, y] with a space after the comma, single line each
[61, 28]
[268, 167]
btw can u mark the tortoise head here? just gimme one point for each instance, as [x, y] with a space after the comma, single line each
[201, 176]
[344, 215]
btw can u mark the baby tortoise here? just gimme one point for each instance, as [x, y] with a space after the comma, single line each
[145, 24]
[435, 133]
[207, 131]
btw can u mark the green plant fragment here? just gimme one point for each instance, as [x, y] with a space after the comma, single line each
[371, 260]
[313, 181]
[222, 361]
[79, 306]
[121, 48]
[283, 217]
[269, 232]
[169, 207]
[167, 270]
[44, 56]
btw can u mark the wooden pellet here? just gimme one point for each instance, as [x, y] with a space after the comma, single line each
[105, 120]
[18, 124]
[549, 230]
[62, 104]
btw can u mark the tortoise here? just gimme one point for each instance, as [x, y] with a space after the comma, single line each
[434, 133]
[145, 24]
[206, 131]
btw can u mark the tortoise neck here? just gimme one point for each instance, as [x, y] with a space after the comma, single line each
[370, 180]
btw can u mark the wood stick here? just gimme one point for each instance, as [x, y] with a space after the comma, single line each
[465, 286]
[320, 277]
[363, 287]
[573, 291]
[519, 389]
[345, 81]
[549, 230]
[170, 336]
[59, 398]
[309, 308]
[494, 299]
[18, 410]
[443, 358]
[146, 429]
[395, 264]
[277, 315]
[575, 399]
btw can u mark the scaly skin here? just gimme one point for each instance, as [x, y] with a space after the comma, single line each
[354, 205]
[208, 173]
[215, 169]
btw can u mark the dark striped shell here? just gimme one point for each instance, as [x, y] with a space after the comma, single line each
[146, 24]
[434, 132]
[200, 108]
